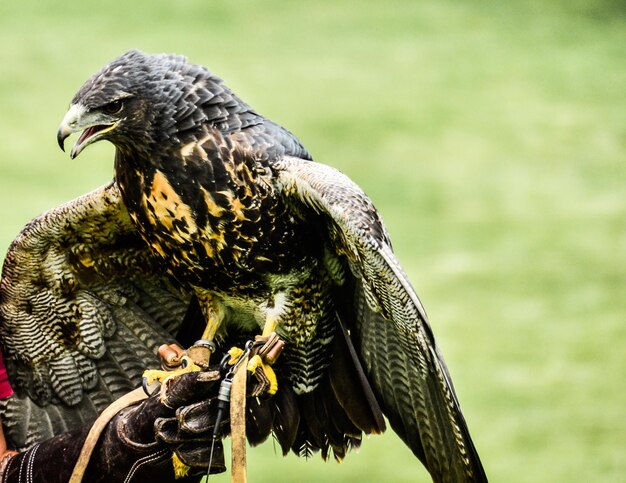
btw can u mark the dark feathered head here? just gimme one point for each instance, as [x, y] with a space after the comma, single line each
[139, 101]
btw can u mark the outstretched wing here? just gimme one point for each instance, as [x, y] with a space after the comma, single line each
[83, 308]
[396, 343]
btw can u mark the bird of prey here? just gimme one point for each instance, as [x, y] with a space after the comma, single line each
[215, 204]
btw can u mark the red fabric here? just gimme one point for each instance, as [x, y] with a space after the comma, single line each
[5, 386]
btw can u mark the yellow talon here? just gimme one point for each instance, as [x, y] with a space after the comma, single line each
[180, 468]
[256, 362]
[235, 354]
[152, 375]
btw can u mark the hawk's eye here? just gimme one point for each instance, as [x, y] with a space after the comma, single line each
[113, 107]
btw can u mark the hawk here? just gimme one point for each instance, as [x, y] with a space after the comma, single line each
[215, 204]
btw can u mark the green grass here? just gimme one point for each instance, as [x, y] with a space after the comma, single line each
[491, 135]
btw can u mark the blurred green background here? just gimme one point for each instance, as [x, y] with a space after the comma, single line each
[491, 135]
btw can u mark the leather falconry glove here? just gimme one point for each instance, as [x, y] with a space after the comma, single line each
[139, 444]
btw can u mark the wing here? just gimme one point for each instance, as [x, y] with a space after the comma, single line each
[396, 343]
[83, 308]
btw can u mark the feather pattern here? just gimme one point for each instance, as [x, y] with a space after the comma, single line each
[390, 325]
[62, 383]
[81, 315]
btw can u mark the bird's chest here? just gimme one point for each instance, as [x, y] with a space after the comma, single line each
[226, 238]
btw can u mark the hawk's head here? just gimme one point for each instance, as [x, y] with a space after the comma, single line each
[140, 100]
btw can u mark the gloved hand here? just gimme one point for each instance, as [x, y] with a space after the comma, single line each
[138, 443]
[189, 432]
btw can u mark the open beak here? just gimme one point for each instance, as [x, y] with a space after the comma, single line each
[78, 119]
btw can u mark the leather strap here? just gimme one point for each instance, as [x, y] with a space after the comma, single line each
[97, 428]
[238, 423]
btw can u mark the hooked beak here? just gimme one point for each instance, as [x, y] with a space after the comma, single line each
[92, 125]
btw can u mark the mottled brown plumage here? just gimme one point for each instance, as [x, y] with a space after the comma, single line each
[83, 308]
[230, 205]
[194, 165]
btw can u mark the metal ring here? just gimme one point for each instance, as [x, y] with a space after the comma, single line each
[206, 343]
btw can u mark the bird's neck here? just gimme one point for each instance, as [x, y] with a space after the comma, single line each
[132, 170]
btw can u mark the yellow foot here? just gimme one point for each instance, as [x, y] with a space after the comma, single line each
[270, 376]
[153, 375]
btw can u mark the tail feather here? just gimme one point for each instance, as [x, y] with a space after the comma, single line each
[352, 388]
[286, 419]
[259, 420]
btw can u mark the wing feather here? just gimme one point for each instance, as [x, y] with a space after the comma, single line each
[83, 308]
[391, 329]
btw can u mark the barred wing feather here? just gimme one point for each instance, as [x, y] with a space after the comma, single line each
[83, 308]
[397, 347]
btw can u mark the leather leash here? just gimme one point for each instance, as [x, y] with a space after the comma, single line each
[238, 423]
[98, 426]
